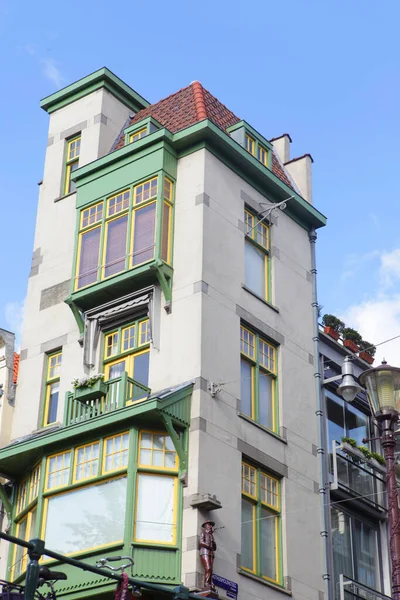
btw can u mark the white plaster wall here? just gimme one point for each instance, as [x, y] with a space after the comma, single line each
[99, 117]
[218, 469]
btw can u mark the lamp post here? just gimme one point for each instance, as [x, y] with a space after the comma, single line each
[383, 388]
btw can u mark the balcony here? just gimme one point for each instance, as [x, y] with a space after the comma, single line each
[349, 589]
[364, 480]
[117, 393]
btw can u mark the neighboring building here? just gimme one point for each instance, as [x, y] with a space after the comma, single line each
[153, 264]
[9, 363]
[359, 526]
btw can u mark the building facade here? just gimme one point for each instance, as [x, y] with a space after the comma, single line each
[156, 265]
[358, 505]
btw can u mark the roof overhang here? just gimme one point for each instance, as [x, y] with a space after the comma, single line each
[103, 78]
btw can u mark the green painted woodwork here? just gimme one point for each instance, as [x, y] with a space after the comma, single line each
[17, 458]
[149, 122]
[156, 564]
[176, 441]
[103, 78]
[5, 502]
[252, 132]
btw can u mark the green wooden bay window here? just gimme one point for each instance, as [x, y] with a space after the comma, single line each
[121, 232]
[105, 493]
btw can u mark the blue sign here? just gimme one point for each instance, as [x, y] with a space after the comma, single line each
[231, 587]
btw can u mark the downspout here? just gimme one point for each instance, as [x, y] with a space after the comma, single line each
[326, 528]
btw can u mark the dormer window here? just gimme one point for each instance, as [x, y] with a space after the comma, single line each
[252, 141]
[262, 155]
[137, 135]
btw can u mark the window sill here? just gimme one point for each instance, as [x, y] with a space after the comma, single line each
[64, 196]
[274, 586]
[275, 435]
[261, 299]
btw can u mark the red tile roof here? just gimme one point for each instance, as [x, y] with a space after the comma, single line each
[188, 106]
[16, 367]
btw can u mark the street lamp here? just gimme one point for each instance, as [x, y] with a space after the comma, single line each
[383, 389]
[349, 388]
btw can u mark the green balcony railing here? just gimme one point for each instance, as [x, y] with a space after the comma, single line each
[120, 392]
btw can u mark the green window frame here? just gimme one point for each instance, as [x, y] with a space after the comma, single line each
[122, 232]
[257, 275]
[73, 150]
[52, 388]
[261, 544]
[26, 510]
[258, 379]
[127, 349]
[144, 461]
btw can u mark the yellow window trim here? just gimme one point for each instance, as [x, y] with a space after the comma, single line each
[254, 339]
[102, 267]
[65, 452]
[34, 482]
[137, 207]
[250, 144]
[275, 509]
[142, 184]
[28, 535]
[253, 222]
[139, 133]
[151, 467]
[78, 257]
[49, 366]
[169, 230]
[82, 464]
[254, 469]
[103, 460]
[96, 223]
[175, 510]
[123, 210]
[120, 331]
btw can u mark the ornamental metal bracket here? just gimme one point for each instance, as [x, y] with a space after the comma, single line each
[5, 500]
[213, 388]
[175, 439]
[268, 211]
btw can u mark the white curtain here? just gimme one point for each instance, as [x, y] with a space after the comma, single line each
[155, 518]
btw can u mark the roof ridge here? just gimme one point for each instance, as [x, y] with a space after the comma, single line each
[199, 100]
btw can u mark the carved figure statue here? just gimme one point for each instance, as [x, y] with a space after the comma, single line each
[207, 549]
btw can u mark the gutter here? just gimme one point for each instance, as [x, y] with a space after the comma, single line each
[326, 528]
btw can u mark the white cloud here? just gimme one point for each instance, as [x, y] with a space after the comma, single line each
[52, 72]
[377, 318]
[14, 315]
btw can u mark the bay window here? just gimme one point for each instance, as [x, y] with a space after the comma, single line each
[119, 233]
[84, 502]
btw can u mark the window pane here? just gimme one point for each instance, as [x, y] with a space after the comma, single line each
[143, 234]
[265, 404]
[246, 385]
[155, 519]
[53, 403]
[335, 412]
[255, 269]
[86, 518]
[20, 551]
[89, 257]
[269, 550]
[116, 370]
[247, 552]
[141, 368]
[365, 554]
[341, 545]
[165, 232]
[356, 424]
[116, 246]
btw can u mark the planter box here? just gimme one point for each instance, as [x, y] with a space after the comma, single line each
[332, 333]
[360, 456]
[351, 345]
[367, 357]
[86, 394]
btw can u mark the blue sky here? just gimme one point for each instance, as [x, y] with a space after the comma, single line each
[326, 71]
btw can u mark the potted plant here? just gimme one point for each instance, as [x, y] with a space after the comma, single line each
[89, 388]
[351, 339]
[332, 326]
[367, 351]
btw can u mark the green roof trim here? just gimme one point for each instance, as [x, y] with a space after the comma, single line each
[19, 456]
[253, 132]
[103, 78]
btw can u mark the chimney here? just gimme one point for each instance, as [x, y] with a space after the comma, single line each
[300, 170]
[282, 147]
